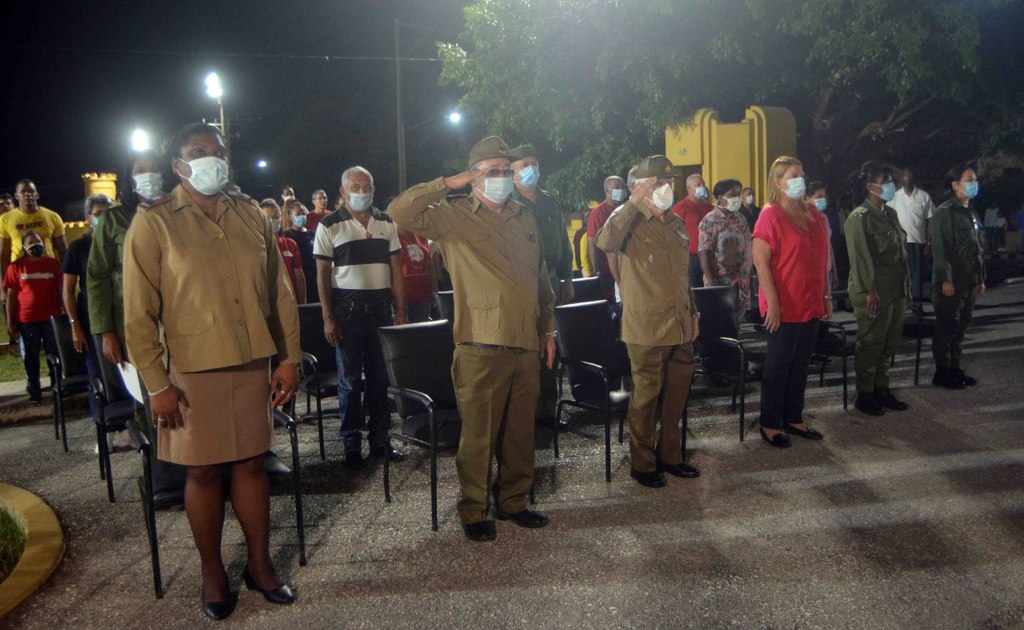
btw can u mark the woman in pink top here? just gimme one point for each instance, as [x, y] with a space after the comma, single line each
[791, 258]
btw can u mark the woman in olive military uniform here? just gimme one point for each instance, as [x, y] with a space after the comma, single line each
[879, 285]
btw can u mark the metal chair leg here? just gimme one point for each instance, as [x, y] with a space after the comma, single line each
[433, 485]
[558, 421]
[320, 427]
[300, 520]
[608, 446]
[845, 373]
[101, 440]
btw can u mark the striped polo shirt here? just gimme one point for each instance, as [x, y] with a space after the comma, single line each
[361, 257]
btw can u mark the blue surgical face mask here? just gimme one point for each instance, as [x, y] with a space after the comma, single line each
[701, 192]
[360, 202]
[209, 174]
[149, 186]
[796, 188]
[497, 189]
[529, 176]
[276, 224]
[94, 222]
[821, 203]
[619, 195]
[299, 220]
[888, 191]
[971, 189]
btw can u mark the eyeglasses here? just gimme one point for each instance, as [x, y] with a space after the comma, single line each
[497, 172]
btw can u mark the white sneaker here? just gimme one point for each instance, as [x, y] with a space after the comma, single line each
[120, 441]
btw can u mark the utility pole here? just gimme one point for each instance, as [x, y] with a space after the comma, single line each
[400, 123]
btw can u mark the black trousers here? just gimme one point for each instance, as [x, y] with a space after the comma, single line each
[785, 373]
[360, 353]
[952, 317]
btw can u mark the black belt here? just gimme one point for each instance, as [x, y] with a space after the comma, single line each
[494, 347]
[364, 307]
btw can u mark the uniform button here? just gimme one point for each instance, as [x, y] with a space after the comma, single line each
[220, 236]
[231, 277]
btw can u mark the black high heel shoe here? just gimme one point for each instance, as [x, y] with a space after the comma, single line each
[281, 595]
[218, 610]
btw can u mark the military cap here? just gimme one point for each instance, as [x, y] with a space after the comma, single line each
[655, 166]
[524, 150]
[489, 147]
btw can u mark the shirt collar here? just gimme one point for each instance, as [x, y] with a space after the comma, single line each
[512, 207]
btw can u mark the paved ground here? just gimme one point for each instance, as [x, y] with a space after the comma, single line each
[912, 521]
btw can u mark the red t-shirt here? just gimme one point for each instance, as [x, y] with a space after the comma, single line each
[799, 262]
[313, 219]
[416, 262]
[598, 217]
[292, 257]
[37, 284]
[692, 213]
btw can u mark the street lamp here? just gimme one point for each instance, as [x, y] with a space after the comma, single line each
[261, 164]
[140, 141]
[215, 90]
[454, 117]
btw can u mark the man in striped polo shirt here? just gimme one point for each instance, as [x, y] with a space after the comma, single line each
[359, 279]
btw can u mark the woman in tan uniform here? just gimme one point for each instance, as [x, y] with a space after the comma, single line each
[207, 304]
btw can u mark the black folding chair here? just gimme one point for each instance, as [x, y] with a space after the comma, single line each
[115, 411]
[834, 341]
[595, 361]
[445, 301]
[586, 289]
[719, 347]
[419, 359]
[319, 368]
[70, 376]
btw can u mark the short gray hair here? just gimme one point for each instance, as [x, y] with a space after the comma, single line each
[608, 180]
[692, 179]
[97, 199]
[349, 172]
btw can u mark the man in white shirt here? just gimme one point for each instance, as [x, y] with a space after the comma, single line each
[914, 208]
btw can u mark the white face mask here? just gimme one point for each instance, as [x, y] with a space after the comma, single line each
[360, 202]
[732, 204]
[749, 200]
[619, 195]
[149, 186]
[209, 174]
[497, 189]
[276, 224]
[663, 197]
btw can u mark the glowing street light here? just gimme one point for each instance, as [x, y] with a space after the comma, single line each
[140, 141]
[455, 117]
[261, 164]
[215, 90]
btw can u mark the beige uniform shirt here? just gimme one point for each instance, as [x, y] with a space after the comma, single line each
[502, 291]
[658, 305]
[217, 288]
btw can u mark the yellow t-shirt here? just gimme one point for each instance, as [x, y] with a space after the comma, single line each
[44, 222]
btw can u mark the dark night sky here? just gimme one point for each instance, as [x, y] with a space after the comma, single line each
[70, 108]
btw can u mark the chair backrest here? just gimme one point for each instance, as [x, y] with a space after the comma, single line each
[109, 375]
[446, 305]
[419, 357]
[719, 316]
[587, 289]
[311, 336]
[586, 332]
[72, 362]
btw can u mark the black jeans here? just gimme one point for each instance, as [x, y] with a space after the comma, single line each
[785, 373]
[34, 337]
[696, 273]
[360, 354]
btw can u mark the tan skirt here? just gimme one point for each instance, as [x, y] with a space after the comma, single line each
[230, 416]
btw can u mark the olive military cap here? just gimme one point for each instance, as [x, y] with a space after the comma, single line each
[489, 147]
[655, 166]
[524, 150]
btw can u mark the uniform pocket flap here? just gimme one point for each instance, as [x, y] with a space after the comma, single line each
[483, 300]
[194, 324]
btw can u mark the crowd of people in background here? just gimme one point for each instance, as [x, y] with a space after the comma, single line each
[198, 287]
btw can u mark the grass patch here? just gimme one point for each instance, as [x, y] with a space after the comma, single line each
[12, 543]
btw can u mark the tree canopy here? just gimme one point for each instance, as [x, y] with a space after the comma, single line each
[594, 83]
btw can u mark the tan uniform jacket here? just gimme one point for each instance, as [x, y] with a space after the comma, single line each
[654, 260]
[502, 291]
[218, 288]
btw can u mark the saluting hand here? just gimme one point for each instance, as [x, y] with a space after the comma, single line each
[642, 188]
[463, 179]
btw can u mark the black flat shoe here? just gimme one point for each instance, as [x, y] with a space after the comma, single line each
[947, 378]
[392, 454]
[866, 403]
[218, 610]
[779, 440]
[966, 380]
[523, 518]
[683, 470]
[885, 398]
[481, 531]
[281, 595]
[809, 434]
[648, 479]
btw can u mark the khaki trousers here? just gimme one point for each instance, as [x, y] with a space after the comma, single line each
[496, 390]
[661, 385]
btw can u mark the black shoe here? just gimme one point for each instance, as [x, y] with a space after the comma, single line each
[393, 455]
[218, 610]
[779, 440]
[808, 434]
[354, 459]
[868, 404]
[967, 380]
[885, 398]
[682, 469]
[648, 479]
[36, 397]
[481, 531]
[523, 518]
[281, 595]
[947, 378]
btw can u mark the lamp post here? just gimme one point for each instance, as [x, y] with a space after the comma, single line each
[216, 91]
[453, 117]
[140, 141]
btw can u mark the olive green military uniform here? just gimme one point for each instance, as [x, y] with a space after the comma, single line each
[503, 306]
[957, 258]
[658, 308]
[878, 263]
